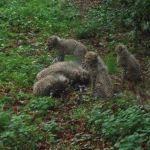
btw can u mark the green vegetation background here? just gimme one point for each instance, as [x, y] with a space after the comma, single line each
[28, 122]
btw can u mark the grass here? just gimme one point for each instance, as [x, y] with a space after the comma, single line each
[80, 113]
[29, 122]
[111, 63]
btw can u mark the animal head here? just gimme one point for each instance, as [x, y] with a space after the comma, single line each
[91, 57]
[52, 41]
[121, 49]
[64, 79]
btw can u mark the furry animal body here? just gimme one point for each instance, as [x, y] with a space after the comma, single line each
[101, 85]
[50, 85]
[67, 46]
[72, 70]
[129, 64]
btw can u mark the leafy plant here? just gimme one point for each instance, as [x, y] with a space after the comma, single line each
[51, 127]
[135, 141]
[79, 113]
[19, 133]
[124, 126]
[42, 105]
[4, 119]
[28, 122]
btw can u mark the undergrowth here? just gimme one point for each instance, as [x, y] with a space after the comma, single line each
[29, 122]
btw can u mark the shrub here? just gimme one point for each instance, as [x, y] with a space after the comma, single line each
[19, 133]
[42, 105]
[124, 126]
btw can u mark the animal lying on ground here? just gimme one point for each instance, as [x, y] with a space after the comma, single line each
[72, 70]
[51, 85]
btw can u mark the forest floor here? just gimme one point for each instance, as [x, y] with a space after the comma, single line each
[29, 122]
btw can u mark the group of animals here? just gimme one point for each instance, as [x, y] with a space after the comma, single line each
[89, 67]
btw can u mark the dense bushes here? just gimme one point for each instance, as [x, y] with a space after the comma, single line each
[129, 16]
[130, 13]
[23, 128]
[126, 129]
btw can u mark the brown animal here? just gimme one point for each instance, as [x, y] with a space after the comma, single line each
[131, 70]
[51, 85]
[72, 70]
[67, 46]
[101, 84]
[130, 66]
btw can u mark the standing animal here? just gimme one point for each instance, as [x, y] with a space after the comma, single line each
[101, 84]
[67, 46]
[51, 85]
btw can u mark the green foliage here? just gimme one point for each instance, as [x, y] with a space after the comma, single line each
[134, 142]
[51, 129]
[131, 14]
[95, 23]
[4, 119]
[123, 126]
[37, 16]
[28, 122]
[80, 113]
[113, 16]
[70, 58]
[21, 70]
[42, 104]
[51, 126]
[19, 133]
[111, 63]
